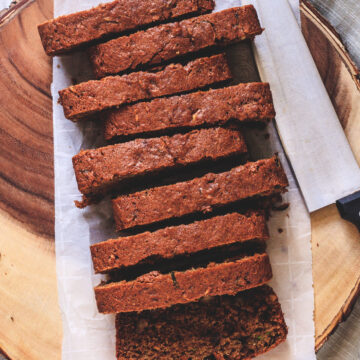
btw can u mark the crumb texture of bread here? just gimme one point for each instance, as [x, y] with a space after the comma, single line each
[228, 327]
[179, 240]
[94, 96]
[249, 102]
[260, 178]
[99, 169]
[163, 43]
[70, 32]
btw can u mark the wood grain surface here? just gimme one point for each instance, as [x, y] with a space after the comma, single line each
[30, 323]
[26, 174]
[29, 314]
[335, 243]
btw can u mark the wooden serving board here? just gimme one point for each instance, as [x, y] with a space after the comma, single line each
[30, 322]
[335, 243]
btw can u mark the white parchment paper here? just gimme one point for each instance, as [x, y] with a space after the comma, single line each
[90, 335]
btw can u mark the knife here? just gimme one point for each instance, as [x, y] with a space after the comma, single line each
[309, 129]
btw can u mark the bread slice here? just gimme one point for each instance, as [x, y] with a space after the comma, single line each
[227, 327]
[181, 240]
[163, 43]
[69, 32]
[259, 178]
[98, 170]
[250, 102]
[157, 290]
[93, 96]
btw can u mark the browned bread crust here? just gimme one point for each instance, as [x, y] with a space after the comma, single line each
[155, 290]
[165, 42]
[178, 240]
[69, 32]
[260, 178]
[225, 327]
[97, 170]
[243, 102]
[96, 95]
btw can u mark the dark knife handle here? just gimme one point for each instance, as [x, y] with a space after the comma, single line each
[349, 208]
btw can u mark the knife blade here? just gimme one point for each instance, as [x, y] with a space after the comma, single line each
[309, 129]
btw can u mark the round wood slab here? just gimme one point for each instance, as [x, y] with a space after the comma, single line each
[29, 314]
[30, 323]
[335, 243]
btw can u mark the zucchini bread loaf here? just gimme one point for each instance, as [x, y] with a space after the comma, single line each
[227, 327]
[98, 170]
[250, 102]
[70, 32]
[260, 178]
[156, 289]
[165, 42]
[181, 240]
[93, 96]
